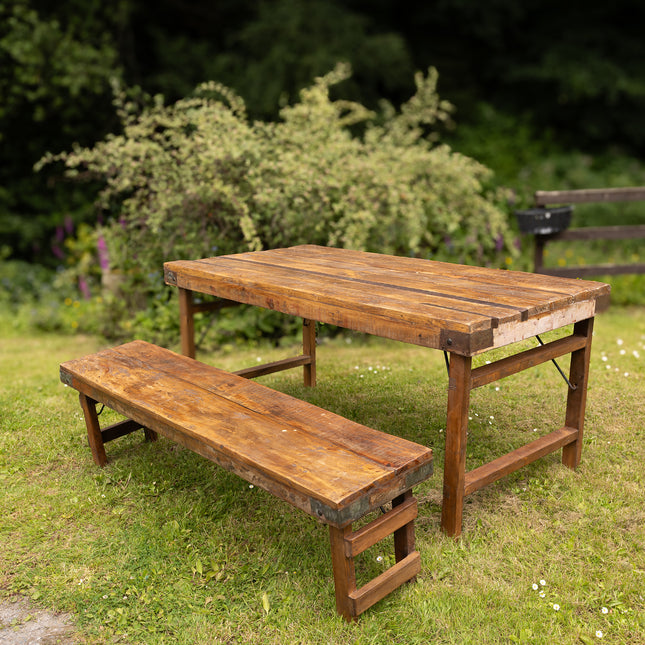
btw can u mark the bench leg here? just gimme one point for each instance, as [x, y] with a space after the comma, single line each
[577, 399]
[346, 545]
[94, 435]
[344, 572]
[98, 437]
[403, 537]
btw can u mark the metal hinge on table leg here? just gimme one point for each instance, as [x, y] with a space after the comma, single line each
[571, 386]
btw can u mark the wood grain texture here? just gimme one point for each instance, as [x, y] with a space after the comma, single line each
[344, 572]
[375, 590]
[330, 467]
[408, 299]
[510, 365]
[380, 528]
[455, 456]
[577, 398]
[512, 461]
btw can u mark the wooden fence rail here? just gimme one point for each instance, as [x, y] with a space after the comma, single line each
[595, 195]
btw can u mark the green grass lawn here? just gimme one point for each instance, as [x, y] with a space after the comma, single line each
[161, 546]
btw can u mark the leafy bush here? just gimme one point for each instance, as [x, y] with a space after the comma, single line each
[197, 179]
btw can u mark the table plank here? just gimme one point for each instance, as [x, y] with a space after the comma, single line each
[268, 281]
[460, 308]
[516, 288]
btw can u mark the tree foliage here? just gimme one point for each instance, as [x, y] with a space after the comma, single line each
[568, 74]
[54, 89]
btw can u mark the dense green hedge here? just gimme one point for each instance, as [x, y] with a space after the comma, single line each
[197, 178]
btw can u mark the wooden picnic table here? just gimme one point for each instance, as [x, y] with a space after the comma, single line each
[463, 310]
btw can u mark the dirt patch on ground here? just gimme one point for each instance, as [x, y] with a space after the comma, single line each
[22, 623]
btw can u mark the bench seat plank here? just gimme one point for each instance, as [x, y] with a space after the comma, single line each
[332, 468]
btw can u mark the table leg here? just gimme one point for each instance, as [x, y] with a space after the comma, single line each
[577, 399]
[455, 459]
[309, 349]
[186, 322]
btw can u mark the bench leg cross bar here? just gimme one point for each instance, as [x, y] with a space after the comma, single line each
[347, 544]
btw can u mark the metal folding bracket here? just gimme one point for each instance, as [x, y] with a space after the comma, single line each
[571, 386]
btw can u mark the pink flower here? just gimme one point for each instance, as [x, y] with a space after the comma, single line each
[104, 259]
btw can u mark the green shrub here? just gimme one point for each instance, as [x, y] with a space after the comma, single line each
[197, 179]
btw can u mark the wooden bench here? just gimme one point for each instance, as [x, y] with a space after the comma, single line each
[332, 468]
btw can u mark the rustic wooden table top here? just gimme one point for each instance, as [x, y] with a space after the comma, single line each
[458, 308]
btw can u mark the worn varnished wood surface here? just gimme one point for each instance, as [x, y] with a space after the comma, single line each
[462, 309]
[326, 465]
